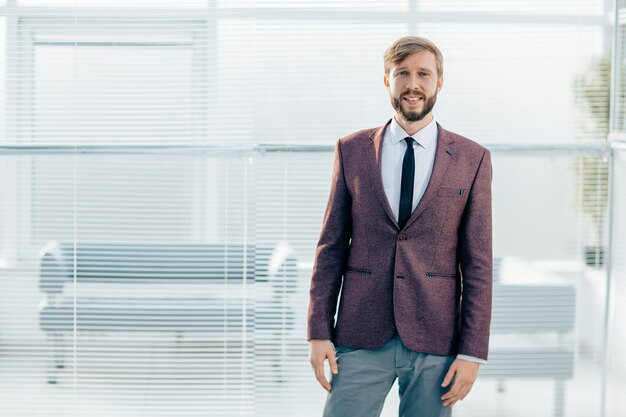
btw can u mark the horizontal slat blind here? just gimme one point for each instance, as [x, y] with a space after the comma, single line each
[164, 169]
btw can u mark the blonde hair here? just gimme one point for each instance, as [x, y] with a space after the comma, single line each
[408, 45]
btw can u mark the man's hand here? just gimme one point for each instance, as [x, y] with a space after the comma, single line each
[464, 374]
[320, 351]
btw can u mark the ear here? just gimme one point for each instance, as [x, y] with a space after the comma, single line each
[386, 81]
[439, 83]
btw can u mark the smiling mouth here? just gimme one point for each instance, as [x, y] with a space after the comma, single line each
[413, 100]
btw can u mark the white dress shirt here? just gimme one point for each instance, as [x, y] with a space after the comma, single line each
[393, 149]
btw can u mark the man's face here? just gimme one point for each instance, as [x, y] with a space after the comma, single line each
[413, 85]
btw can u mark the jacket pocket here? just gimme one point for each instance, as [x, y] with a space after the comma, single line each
[451, 192]
[439, 275]
[359, 270]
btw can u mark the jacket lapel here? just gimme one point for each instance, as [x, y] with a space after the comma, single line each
[374, 153]
[443, 155]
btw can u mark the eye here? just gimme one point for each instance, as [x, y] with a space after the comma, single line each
[402, 72]
[424, 73]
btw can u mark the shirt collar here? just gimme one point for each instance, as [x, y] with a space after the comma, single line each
[425, 137]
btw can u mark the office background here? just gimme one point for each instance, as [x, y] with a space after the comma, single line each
[165, 165]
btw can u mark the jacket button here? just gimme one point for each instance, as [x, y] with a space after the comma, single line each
[401, 236]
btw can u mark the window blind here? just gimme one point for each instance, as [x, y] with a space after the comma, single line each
[164, 169]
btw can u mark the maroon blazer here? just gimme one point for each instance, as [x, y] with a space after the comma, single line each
[430, 280]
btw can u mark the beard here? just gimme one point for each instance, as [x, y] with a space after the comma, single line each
[411, 116]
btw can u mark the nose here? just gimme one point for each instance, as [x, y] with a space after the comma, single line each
[414, 82]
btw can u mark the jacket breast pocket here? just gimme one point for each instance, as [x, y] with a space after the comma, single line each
[451, 192]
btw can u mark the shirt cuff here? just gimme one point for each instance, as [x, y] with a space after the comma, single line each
[471, 358]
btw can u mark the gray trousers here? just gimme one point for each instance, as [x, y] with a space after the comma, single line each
[365, 377]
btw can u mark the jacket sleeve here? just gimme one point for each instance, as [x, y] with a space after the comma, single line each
[476, 264]
[330, 255]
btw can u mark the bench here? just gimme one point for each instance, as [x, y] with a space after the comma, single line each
[525, 310]
[218, 291]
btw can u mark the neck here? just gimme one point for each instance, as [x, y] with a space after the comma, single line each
[413, 127]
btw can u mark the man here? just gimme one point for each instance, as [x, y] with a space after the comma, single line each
[406, 236]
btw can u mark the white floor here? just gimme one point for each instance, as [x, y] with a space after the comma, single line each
[228, 389]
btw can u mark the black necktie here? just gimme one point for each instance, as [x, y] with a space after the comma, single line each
[406, 186]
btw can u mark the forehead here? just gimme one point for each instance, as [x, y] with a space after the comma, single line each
[419, 60]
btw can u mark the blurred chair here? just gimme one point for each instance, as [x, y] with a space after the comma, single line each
[544, 312]
[219, 291]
